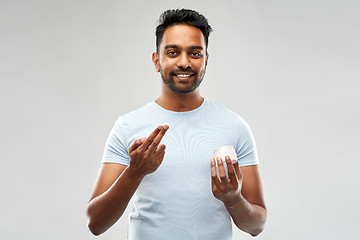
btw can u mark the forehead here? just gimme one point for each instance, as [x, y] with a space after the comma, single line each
[183, 36]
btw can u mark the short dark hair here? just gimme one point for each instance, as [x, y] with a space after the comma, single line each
[189, 17]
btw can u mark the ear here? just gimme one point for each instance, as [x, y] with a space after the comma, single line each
[206, 60]
[155, 59]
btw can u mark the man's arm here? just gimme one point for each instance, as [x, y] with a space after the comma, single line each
[241, 195]
[117, 183]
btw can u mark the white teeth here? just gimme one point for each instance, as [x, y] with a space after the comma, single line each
[183, 75]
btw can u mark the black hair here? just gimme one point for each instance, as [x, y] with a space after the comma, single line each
[182, 16]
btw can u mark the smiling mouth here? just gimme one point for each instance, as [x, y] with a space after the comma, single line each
[184, 75]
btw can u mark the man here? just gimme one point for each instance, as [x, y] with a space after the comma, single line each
[178, 193]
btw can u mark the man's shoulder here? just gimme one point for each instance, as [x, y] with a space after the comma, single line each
[145, 109]
[137, 115]
[224, 112]
[220, 108]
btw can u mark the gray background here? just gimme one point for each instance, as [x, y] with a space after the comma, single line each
[68, 69]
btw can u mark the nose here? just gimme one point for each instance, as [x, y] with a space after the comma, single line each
[184, 61]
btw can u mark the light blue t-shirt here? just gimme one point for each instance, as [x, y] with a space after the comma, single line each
[176, 202]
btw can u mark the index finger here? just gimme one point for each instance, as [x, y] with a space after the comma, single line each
[153, 146]
[152, 136]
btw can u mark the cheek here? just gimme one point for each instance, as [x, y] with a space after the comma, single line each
[201, 64]
[165, 65]
[202, 67]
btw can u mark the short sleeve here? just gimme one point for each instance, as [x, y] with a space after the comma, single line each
[246, 148]
[116, 147]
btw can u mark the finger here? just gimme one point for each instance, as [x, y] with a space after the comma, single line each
[160, 158]
[237, 169]
[213, 186]
[159, 150]
[150, 138]
[213, 168]
[216, 184]
[157, 139]
[239, 174]
[231, 170]
[135, 145]
[222, 173]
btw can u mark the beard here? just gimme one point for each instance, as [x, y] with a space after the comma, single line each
[170, 83]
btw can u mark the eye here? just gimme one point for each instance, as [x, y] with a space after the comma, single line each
[196, 54]
[171, 53]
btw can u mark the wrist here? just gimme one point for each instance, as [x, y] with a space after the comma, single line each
[134, 174]
[234, 201]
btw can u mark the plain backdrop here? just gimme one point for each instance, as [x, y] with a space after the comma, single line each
[68, 69]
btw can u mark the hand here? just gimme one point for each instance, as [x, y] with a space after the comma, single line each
[146, 154]
[224, 189]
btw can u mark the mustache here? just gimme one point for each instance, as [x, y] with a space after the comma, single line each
[182, 70]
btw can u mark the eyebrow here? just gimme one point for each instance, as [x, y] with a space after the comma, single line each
[197, 47]
[171, 46]
[175, 46]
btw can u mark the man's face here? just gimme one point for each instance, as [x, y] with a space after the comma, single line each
[182, 58]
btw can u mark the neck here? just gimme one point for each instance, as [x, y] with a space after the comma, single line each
[179, 102]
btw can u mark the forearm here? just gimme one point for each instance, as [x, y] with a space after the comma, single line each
[104, 210]
[247, 217]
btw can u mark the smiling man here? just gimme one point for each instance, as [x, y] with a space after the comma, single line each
[183, 61]
[179, 193]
